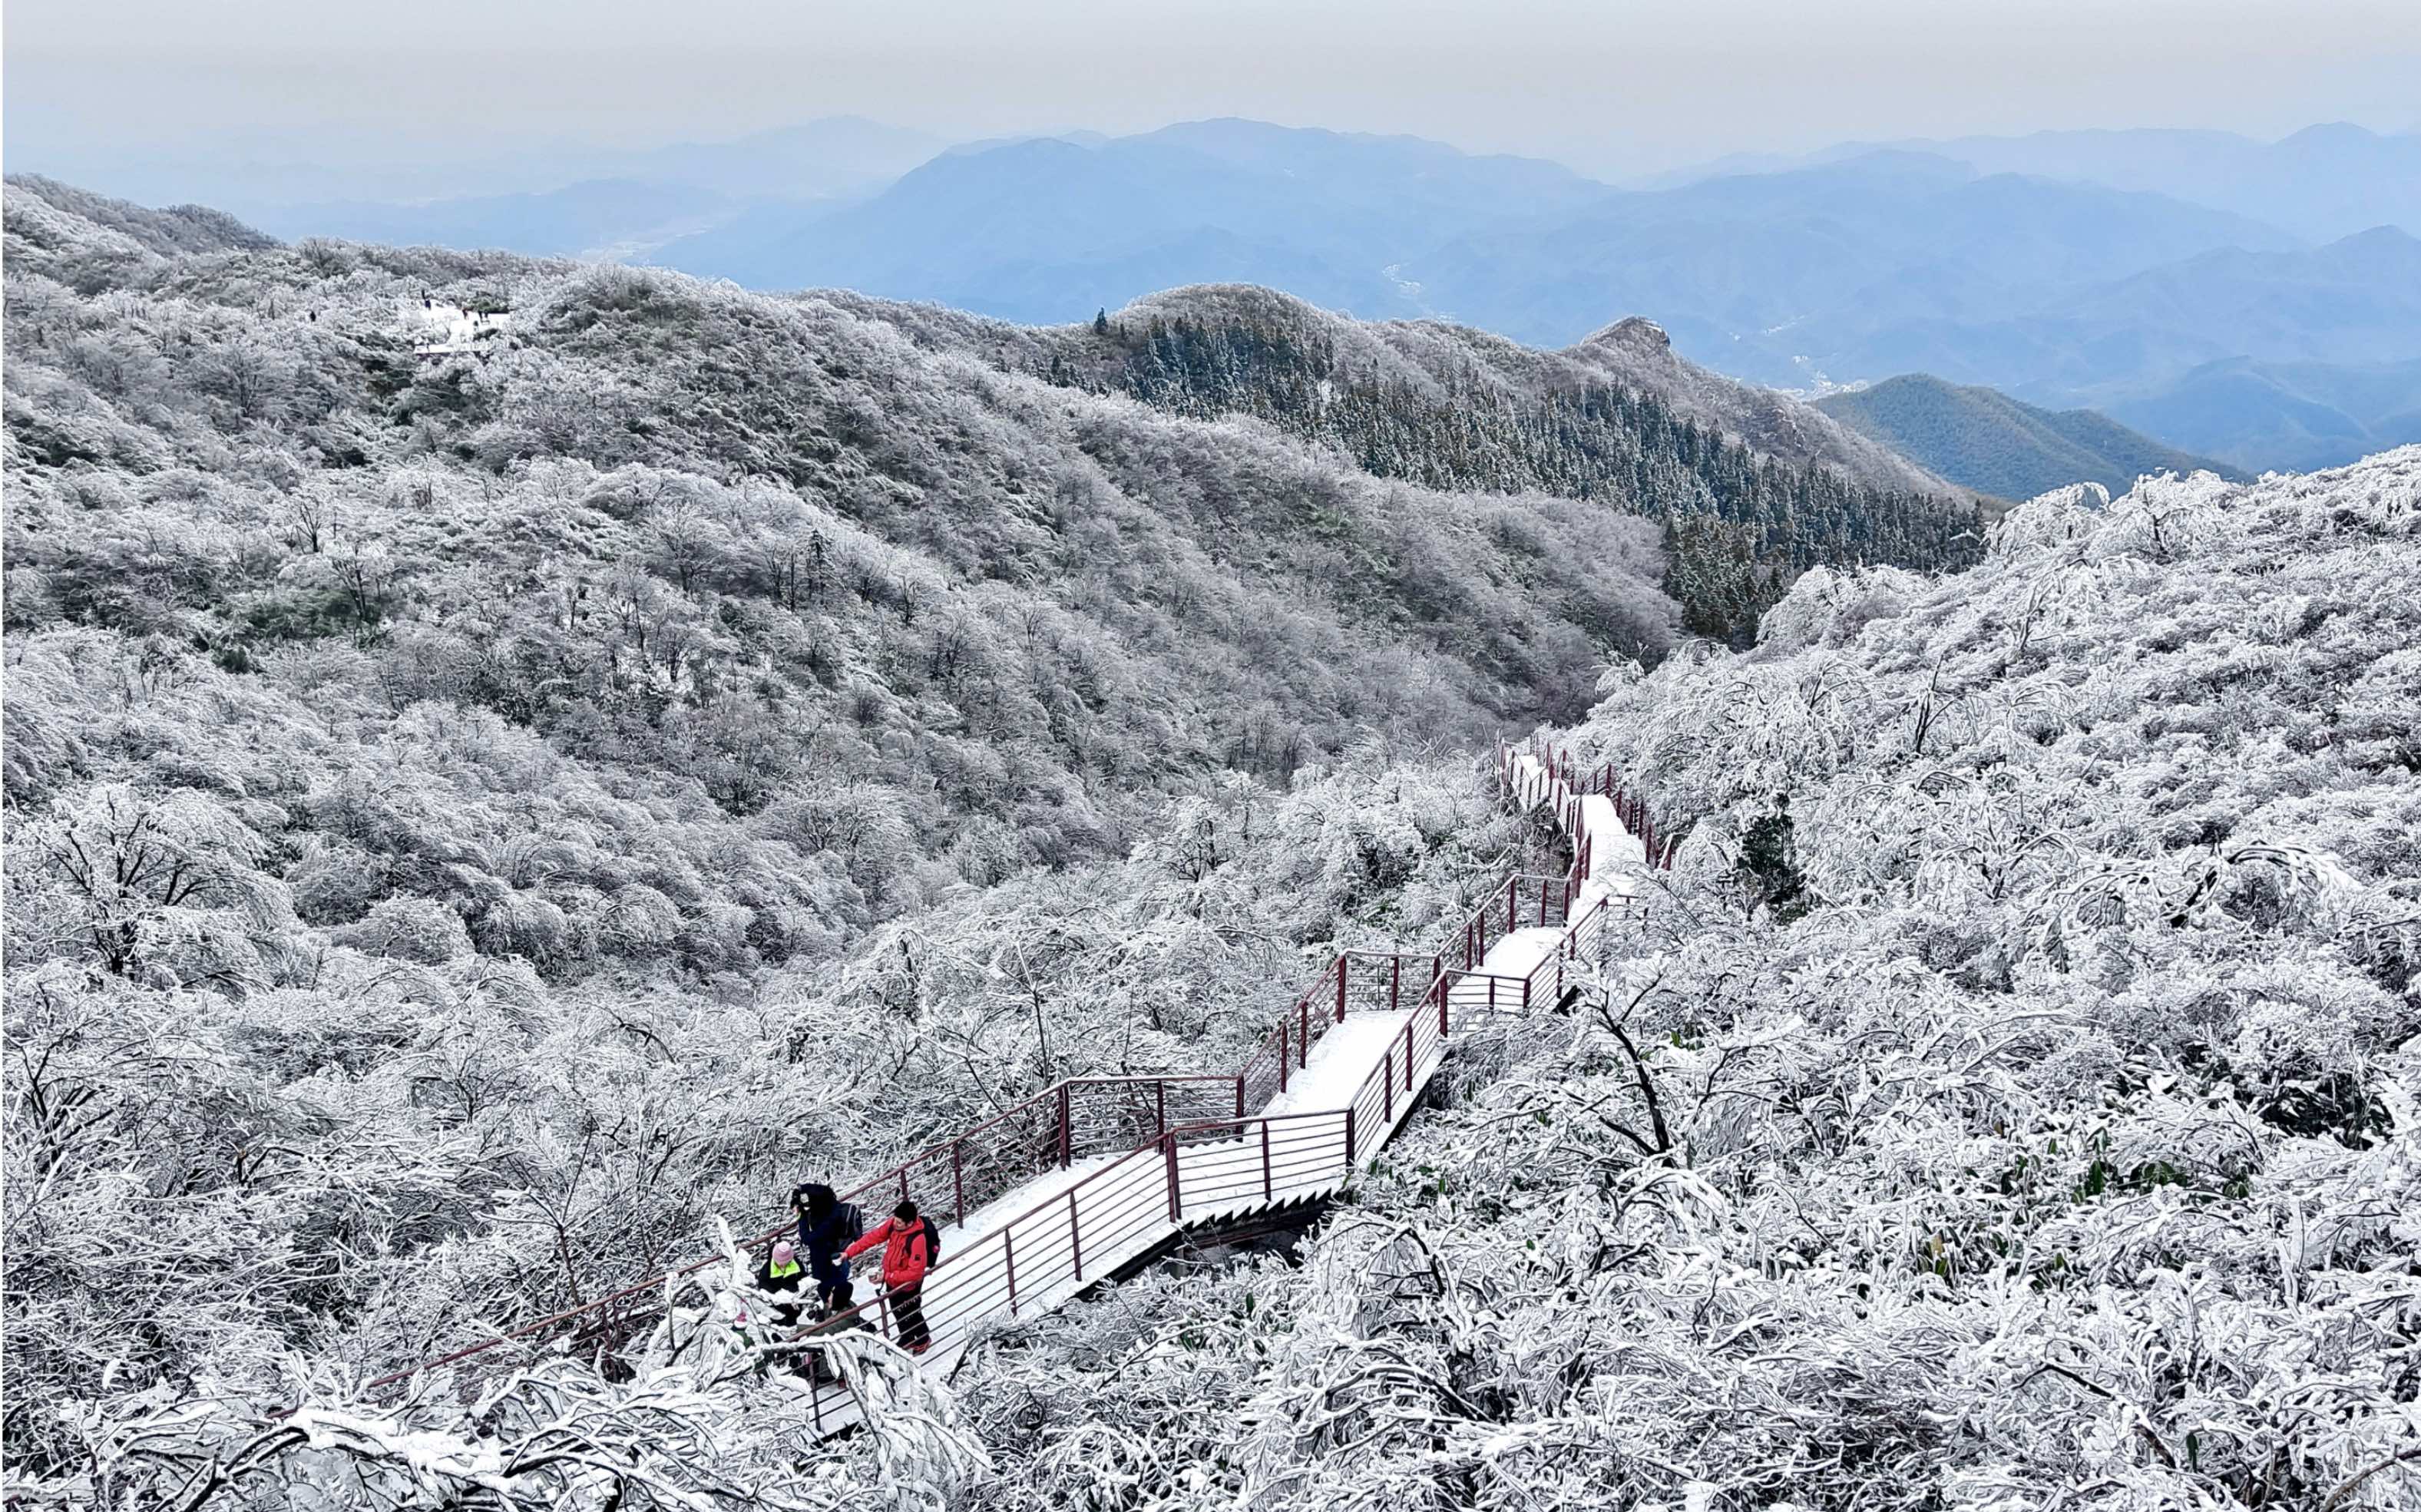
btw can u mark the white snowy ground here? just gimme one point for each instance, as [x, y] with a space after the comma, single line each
[996, 1215]
[1616, 858]
[1617, 869]
[1339, 1064]
[1496, 987]
[438, 329]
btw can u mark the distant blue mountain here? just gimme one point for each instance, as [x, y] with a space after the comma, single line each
[838, 156]
[2326, 181]
[2291, 416]
[1844, 273]
[1989, 441]
[1049, 230]
[571, 202]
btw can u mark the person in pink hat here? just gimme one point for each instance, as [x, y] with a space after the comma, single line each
[781, 1273]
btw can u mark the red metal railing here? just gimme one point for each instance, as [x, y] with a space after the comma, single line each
[1557, 780]
[1188, 1146]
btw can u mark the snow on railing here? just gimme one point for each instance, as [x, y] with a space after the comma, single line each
[1356, 981]
[1188, 1147]
[1556, 780]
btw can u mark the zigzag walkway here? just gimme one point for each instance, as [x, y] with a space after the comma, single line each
[1095, 1174]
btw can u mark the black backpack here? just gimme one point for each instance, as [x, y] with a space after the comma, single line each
[850, 1220]
[932, 1243]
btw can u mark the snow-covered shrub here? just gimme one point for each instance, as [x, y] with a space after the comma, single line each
[1828, 608]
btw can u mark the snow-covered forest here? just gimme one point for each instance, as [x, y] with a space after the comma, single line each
[476, 819]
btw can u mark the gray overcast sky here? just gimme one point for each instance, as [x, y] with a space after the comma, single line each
[1613, 86]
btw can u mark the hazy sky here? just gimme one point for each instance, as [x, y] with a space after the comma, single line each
[1614, 86]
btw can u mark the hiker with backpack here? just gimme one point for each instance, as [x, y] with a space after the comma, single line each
[911, 1247]
[826, 1224]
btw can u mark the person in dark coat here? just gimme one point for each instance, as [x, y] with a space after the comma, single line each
[824, 1229]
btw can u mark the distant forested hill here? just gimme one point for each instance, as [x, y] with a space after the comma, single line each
[51, 219]
[926, 598]
[1987, 441]
[2252, 301]
[1997, 265]
[1751, 487]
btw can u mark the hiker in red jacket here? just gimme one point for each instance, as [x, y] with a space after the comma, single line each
[908, 1248]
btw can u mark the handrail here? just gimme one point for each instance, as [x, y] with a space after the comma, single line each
[1225, 1131]
[1002, 1232]
[1522, 900]
[1048, 1094]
